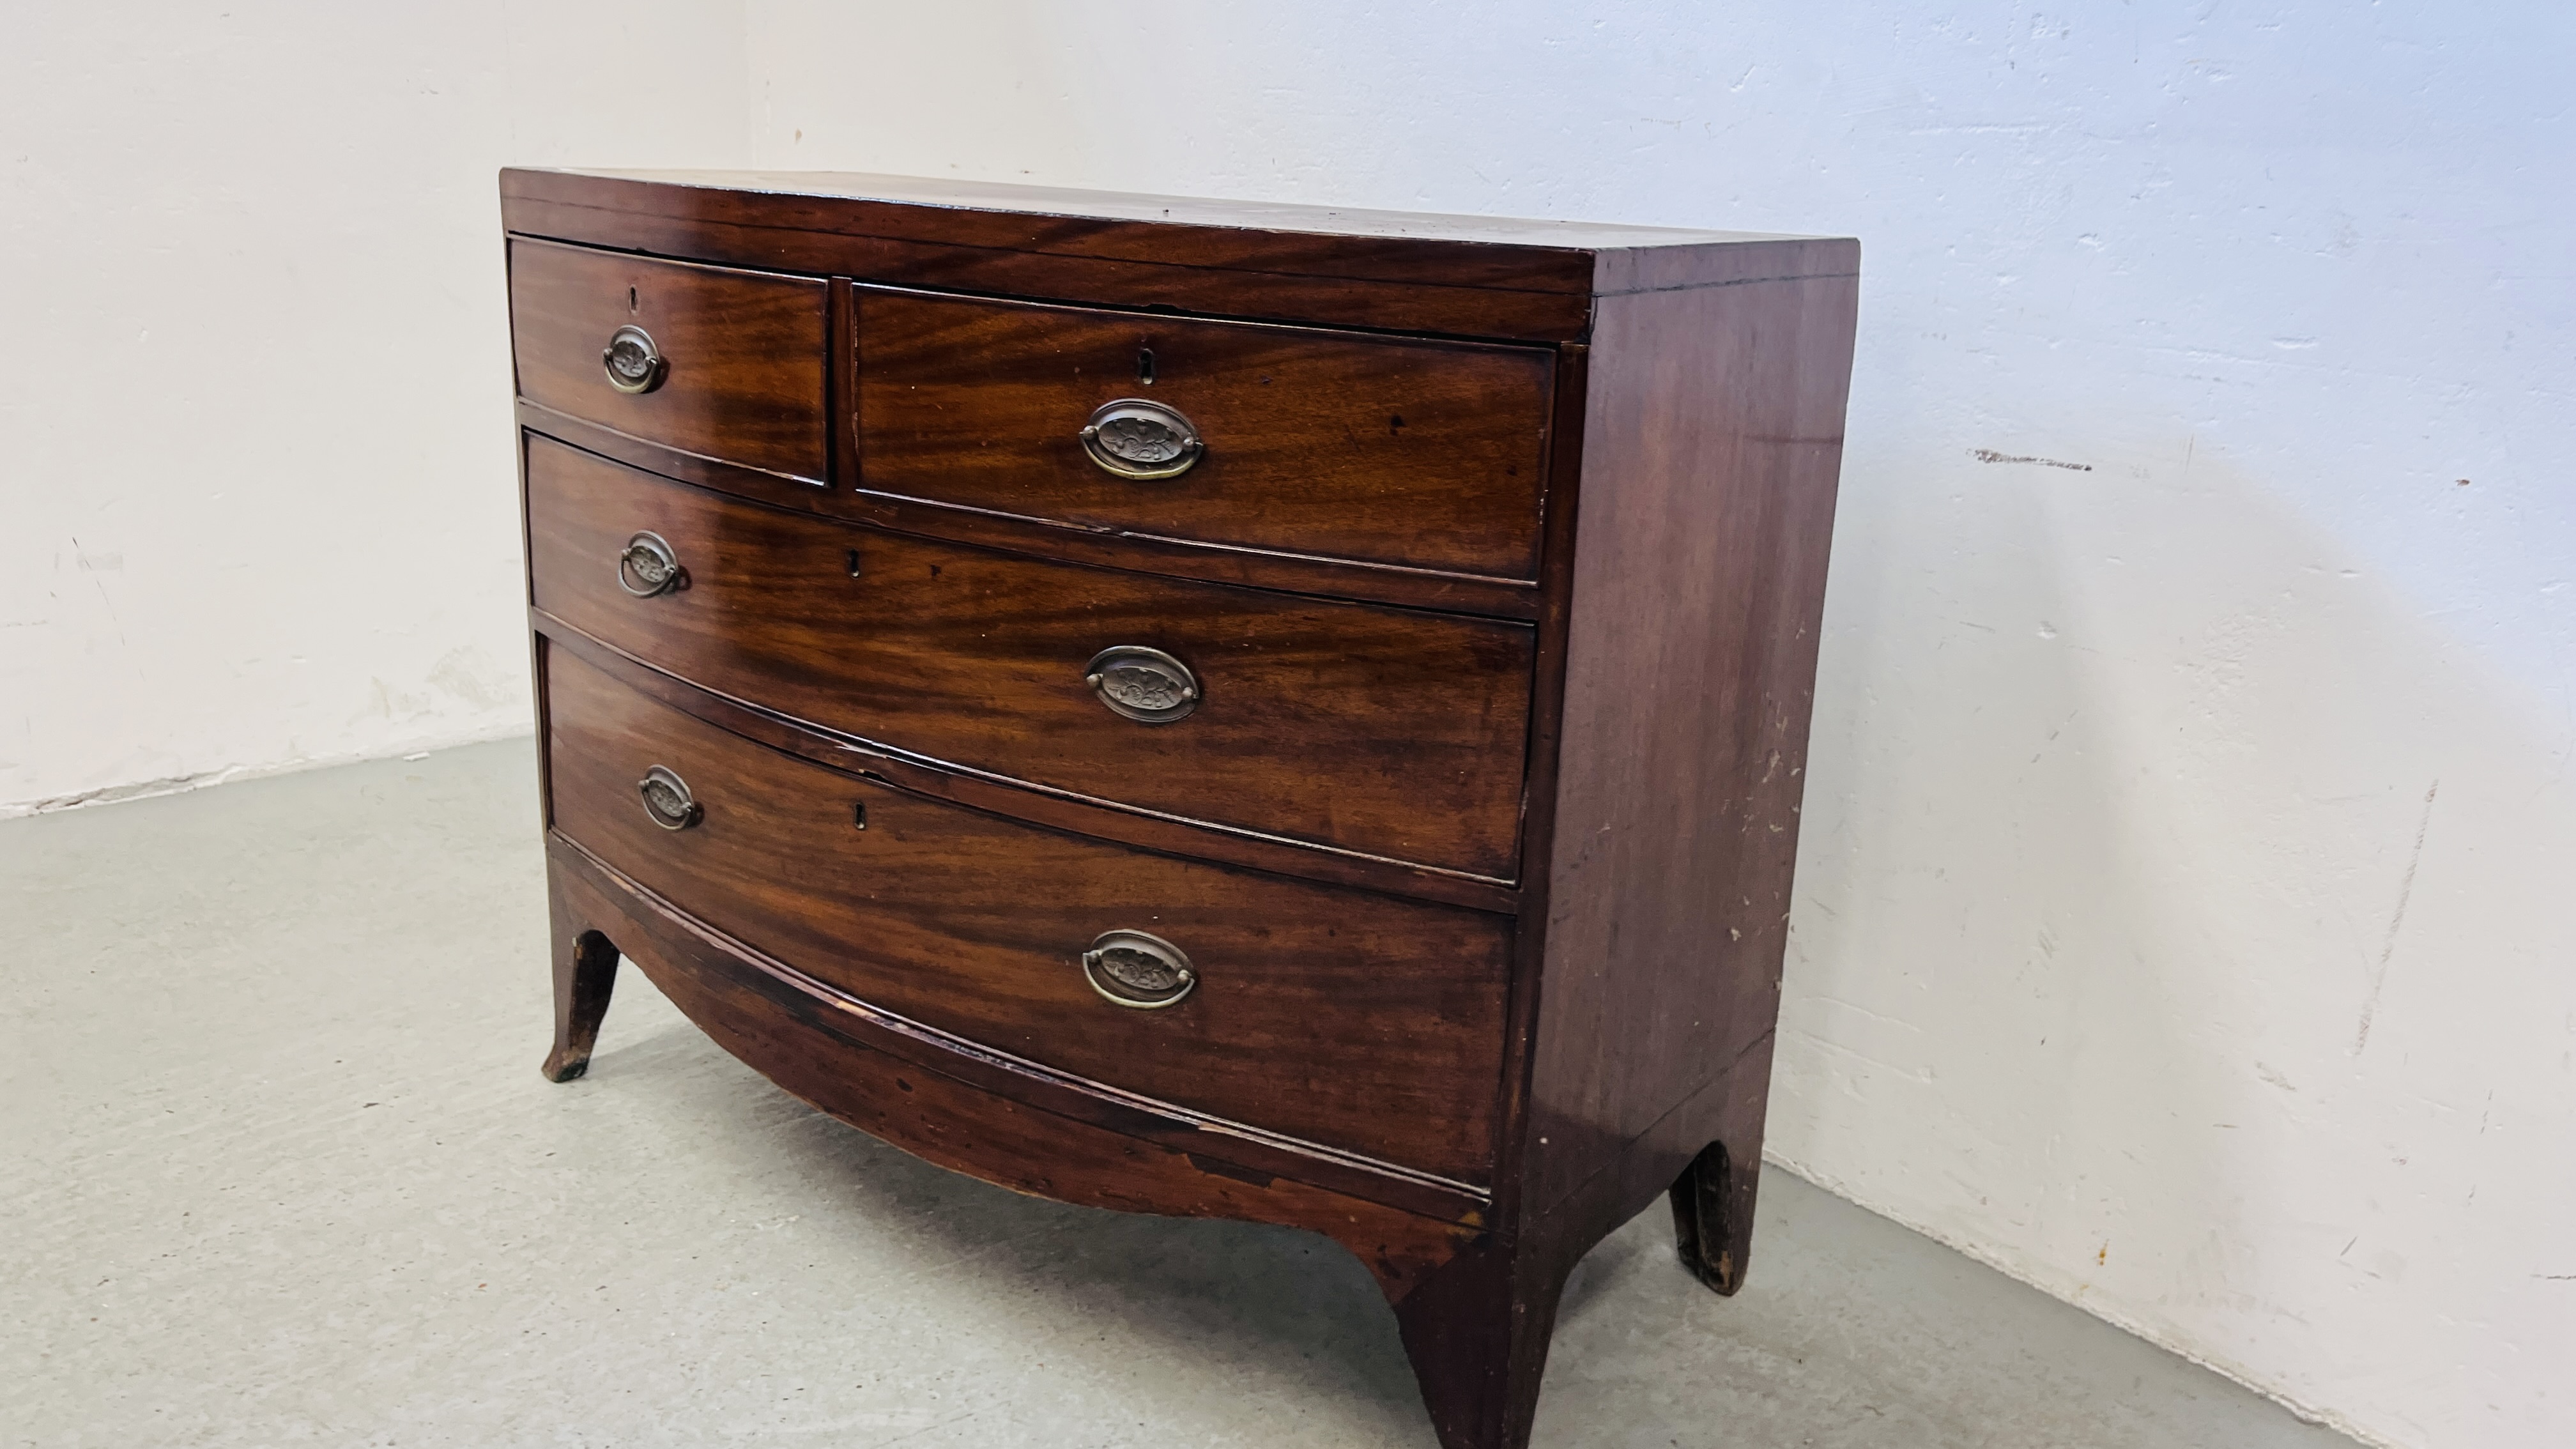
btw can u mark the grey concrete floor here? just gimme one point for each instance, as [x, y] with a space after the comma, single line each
[276, 1167]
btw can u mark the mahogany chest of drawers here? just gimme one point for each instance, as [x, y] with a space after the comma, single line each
[1190, 707]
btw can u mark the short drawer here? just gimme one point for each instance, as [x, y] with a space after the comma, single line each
[1385, 731]
[1339, 1017]
[1294, 439]
[726, 364]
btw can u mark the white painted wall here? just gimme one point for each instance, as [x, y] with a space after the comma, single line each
[2183, 920]
[257, 497]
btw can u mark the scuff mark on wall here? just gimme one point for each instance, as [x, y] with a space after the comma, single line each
[2396, 922]
[1989, 455]
[93, 567]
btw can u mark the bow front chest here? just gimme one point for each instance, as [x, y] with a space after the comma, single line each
[1194, 707]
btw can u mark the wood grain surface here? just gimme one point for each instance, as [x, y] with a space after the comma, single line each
[1393, 450]
[745, 379]
[1336, 578]
[1462, 276]
[956, 1108]
[1345, 1018]
[1378, 730]
[1018, 800]
[1712, 446]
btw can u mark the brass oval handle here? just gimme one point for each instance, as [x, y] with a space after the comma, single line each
[667, 799]
[1145, 685]
[632, 362]
[1131, 968]
[1135, 438]
[649, 566]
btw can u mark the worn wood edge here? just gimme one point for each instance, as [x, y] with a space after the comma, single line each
[1628, 271]
[1835, 275]
[765, 274]
[1265, 242]
[1505, 253]
[840, 380]
[1388, 283]
[855, 1022]
[1319, 330]
[847, 364]
[1588, 1139]
[541, 707]
[1357, 304]
[1619, 1181]
[1415, 259]
[1359, 581]
[1563, 497]
[664, 459]
[1031, 804]
[529, 216]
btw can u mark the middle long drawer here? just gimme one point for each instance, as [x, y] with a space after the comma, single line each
[1385, 731]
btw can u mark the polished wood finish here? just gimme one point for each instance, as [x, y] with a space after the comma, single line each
[1500, 771]
[585, 975]
[745, 360]
[1062, 810]
[1465, 276]
[1297, 573]
[1338, 1016]
[1392, 450]
[1370, 729]
[999, 1119]
[1711, 447]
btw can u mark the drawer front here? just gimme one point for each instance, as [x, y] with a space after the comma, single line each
[1339, 1017]
[1378, 730]
[729, 364]
[1400, 451]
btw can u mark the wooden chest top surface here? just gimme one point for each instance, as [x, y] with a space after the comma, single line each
[1461, 275]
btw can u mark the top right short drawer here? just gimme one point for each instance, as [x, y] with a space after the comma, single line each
[1419, 452]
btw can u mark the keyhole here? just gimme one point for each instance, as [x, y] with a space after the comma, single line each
[853, 558]
[1145, 366]
[630, 299]
[859, 815]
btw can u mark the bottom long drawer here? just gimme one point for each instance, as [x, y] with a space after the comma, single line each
[1348, 1019]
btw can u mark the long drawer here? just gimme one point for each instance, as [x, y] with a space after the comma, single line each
[1411, 451]
[1384, 731]
[1340, 1017]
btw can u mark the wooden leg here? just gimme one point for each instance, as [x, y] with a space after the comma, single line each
[1713, 1216]
[585, 971]
[1477, 1330]
[1713, 1198]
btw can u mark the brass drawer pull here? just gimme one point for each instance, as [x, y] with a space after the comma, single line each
[649, 566]
[1134, 438]
[633, 363]
[1130, 968]
[667, 799]
[1145, 685]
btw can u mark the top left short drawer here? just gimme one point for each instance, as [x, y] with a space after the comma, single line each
[722, 363]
